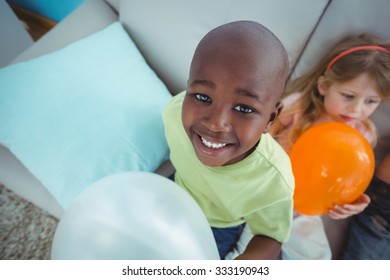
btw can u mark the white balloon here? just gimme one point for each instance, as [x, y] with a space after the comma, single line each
[134, 216]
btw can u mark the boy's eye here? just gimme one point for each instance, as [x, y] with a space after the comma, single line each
[243, 109]
[202, 97]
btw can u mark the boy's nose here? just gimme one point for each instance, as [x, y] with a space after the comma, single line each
[217, 120]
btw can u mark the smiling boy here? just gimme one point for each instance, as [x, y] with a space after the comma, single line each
[217, 134]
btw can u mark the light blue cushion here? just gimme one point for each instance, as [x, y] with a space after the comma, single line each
[84, 112]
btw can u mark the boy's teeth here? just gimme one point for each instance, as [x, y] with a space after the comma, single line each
[212, 145]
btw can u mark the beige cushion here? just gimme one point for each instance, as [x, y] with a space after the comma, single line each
[114, 4]
[167, 32]
[344, 18]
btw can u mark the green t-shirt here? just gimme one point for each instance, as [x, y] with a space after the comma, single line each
[257, 190]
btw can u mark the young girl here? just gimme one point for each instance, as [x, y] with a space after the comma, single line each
[347, 85]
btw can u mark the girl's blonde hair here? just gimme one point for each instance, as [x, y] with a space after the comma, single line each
[375, 63]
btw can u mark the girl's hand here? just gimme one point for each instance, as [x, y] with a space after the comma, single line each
[347, 210]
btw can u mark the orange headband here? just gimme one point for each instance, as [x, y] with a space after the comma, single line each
[344, 53]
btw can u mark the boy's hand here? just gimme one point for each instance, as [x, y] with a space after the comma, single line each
[347, 210]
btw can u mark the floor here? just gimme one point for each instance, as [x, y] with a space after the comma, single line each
[36, 25]
[26, 231]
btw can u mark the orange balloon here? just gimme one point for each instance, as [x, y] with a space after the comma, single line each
[332, 163]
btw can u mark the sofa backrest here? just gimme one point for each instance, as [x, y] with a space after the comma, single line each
[168, 31]
[114, 4]
[344, 18]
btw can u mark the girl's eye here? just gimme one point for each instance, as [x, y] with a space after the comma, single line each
[243, 109]
[372, 101]
[347, 96]
[202, 97]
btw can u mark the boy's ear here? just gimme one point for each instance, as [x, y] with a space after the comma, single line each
[274, 115]
[321, 85]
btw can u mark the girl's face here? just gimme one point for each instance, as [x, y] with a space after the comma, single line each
[352, 101]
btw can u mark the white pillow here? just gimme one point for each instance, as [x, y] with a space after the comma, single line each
[84, 112]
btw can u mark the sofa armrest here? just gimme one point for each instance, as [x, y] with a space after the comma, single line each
[16, 177]
[88, 18]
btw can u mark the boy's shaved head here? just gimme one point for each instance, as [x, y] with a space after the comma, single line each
[251, 41]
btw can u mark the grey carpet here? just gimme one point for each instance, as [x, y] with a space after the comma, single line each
[26, 231]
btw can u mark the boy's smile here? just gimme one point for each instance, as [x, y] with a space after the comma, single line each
[209, 148]
[212, 145]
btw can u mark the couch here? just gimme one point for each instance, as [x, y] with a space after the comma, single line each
[166, 33]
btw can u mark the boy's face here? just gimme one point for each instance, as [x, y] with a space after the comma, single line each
[229, 103]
